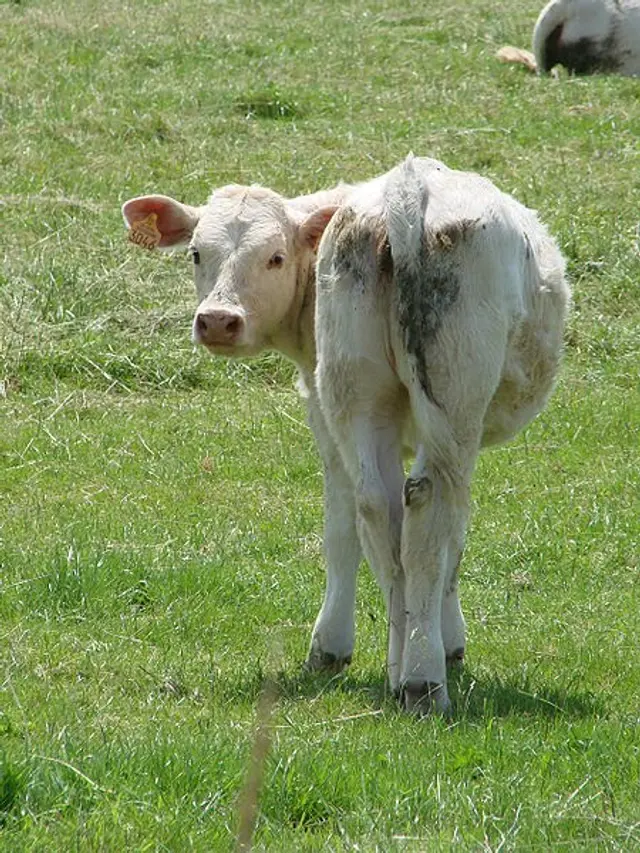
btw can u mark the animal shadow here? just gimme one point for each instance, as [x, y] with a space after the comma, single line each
[474, 694]
[477, 695]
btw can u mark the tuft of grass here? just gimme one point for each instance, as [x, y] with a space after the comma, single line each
[270, 103]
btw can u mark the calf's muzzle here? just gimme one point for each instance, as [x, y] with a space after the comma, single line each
[218, 327]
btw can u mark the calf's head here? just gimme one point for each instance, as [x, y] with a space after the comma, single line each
[252, 253]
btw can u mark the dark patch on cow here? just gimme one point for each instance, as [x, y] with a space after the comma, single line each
[447, 236]
[342, 222]
[427, 288]
[585, 56]
[385, 260]
[413, 487]
[361, 248]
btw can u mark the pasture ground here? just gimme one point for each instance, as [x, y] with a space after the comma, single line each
[161, 511]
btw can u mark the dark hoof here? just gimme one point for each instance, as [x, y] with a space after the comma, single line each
[425, 699]
[456, 658]
[325, 662]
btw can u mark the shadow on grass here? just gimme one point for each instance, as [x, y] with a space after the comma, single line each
[474, 696]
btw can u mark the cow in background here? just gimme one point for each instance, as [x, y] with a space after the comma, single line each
[584, 36]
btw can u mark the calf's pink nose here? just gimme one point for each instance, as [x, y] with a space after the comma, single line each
[218, 326]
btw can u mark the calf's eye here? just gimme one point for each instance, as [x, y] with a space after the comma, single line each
[195, 256]
[276, 260]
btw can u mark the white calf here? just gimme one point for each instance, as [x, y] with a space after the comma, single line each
[439, 317]
[585, 36]
[439, 321]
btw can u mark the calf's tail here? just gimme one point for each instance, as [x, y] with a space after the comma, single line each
[406, 197]
[405, 205]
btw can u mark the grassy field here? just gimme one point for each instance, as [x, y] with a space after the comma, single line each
[161, 511]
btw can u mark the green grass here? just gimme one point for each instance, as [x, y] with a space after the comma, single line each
[161, 511]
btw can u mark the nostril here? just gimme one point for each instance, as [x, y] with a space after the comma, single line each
[232, 326]
[201, 324]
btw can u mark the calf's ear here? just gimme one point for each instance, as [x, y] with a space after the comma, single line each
[174, 222]
[312, 228]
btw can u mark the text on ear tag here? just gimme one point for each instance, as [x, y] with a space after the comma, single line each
[145, 232]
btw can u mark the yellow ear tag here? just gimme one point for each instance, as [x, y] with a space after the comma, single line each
[145, 232]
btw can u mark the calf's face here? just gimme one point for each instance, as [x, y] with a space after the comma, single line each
[245, 255]
[248, 250]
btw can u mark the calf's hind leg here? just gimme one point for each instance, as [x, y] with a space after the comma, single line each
[434, 625]
[364, 426]
[373, 455]
[453, 623]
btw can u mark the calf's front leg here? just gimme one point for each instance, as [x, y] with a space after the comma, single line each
[333, 636]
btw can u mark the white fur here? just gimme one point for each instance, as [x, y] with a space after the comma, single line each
[490, 369]
[491, 366]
